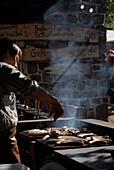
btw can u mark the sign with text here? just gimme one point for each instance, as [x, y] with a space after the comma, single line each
[37, 31]
[31, 53]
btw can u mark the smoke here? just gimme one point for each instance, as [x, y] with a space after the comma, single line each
[76, 80]
[58, 6]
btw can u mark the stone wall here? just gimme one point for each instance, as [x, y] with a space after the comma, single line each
[66, 55]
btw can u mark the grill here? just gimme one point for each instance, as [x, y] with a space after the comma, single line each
[90, 157]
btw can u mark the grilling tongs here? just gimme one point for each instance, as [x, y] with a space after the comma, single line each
[51, 125]
[51, 122]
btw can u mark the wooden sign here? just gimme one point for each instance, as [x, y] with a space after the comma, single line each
[38, 31]
[31, 53]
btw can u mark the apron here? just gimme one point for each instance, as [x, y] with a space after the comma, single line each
[9, 152]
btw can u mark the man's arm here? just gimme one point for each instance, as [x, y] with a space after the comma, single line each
[20, 84]
[44, 96]
[56, 108]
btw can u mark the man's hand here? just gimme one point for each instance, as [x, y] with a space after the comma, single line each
[56, 110]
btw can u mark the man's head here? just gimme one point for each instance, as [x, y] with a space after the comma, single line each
[9, 52]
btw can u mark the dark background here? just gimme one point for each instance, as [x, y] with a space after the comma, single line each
[21, 11]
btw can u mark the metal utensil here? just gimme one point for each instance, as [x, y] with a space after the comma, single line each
[51, 123]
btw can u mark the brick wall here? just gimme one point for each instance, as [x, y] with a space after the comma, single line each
[65, 54]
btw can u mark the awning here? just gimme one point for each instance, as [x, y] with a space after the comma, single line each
[110, 36]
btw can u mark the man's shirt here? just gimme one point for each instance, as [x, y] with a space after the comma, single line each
[12, 82]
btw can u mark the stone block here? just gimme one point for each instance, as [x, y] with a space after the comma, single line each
[84, 18]
[96, 67]
[102, 112]
[95, 101]
[99, 75]
[98, 1]
[102, 46]
[46, 77]
[53, 44]
[71, 19]
[81, 85]
[91, 84]
[42, 65]
[101, 9]
[77, 94]
[54, 18]
[32, 67]
[104, 99]
[75, 6]
[103, 83]
[90, 93]
[98, 19]
[85, 103]
[71, 83]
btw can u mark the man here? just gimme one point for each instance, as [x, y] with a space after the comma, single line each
[110, 73]
[12, 82]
